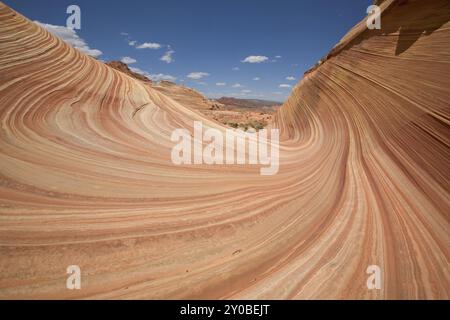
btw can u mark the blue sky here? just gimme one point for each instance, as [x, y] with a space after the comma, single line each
[206, 42]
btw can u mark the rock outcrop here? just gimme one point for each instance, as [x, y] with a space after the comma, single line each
[123, 67]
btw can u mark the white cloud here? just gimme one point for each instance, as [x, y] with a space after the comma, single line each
[291, 78]
[137, 70]
[285, 86]
[255, 59]
[132, 43]
[237, 85]
[221, 84]
[70, 36]
[154, 77]
[160, 76]
[278, 93]
[202, 83]
[167, 57]
[257, 78]
[124, 34]
[276, 59]
[128, 60]
[149, 45]
[142, 72]
[197, 75]
[246, 91]
[235, 69]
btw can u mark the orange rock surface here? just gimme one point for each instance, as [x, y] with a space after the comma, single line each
[86, 177]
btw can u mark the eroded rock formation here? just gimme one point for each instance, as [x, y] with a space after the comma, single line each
[86, 177]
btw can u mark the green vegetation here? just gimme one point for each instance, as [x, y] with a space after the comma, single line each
[257, 125]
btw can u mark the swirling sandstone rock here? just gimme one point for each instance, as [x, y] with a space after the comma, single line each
[86, 177]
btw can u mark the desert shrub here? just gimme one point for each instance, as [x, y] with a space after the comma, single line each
[257, 125]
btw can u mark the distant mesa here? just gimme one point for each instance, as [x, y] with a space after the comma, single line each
[248, 103]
